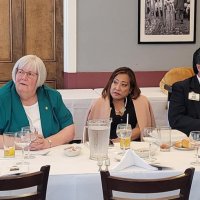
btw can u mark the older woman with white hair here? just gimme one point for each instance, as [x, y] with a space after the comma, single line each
[26, 101]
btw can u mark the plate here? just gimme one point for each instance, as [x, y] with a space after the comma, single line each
[144, 152]
[183, 149]
[72, 151]
[141, 152]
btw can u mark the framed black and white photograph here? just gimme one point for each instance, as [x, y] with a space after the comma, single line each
[166, 21]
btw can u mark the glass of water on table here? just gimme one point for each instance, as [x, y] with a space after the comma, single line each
[33, 135]
[22, 140]
[151, 136]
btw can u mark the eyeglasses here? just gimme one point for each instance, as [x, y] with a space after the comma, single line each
[29, 74]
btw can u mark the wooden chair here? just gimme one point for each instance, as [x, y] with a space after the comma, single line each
[18, 182]
[180, 182]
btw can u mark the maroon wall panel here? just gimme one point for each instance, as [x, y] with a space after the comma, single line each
[99, 79]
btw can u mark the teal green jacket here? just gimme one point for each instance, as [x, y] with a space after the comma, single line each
[53, 113]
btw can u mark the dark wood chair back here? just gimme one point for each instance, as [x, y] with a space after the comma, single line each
[24, 181]
[180, 182]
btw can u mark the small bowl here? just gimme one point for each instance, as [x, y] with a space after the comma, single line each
[72, 151]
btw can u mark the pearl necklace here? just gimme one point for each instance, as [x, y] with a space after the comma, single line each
[122, 110]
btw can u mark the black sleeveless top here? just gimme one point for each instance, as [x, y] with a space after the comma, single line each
[117, 119]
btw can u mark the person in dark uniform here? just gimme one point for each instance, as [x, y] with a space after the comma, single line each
[184, 106]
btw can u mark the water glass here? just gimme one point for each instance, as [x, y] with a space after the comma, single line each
[33, 135]
[165, 138]
[9, 144]
[22, 140]
[150, 135]
[195, 142]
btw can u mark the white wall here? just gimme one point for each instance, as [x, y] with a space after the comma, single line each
[107, 32]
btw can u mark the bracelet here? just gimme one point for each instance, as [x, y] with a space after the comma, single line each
[50, 142]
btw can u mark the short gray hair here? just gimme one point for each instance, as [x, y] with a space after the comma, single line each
[34, 63]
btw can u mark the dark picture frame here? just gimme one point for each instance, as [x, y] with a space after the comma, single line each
[166, 21]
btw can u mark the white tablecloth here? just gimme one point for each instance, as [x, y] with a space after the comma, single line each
[158, 102]
[78, 102]
[77, 178]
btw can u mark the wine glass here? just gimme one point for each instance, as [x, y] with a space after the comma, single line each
[33, 135]
[195, 142]
[150, 135]
[123, 132]
[22, 140]
[107, 163]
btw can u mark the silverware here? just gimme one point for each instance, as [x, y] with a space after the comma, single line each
[159, 166]
[15, 174]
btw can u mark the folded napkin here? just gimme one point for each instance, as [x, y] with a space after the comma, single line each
[129, 159]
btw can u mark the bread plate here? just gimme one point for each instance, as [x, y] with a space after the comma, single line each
[184, 148]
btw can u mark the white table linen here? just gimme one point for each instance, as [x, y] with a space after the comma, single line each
[78, 177]
[159, 104]
[78, 101]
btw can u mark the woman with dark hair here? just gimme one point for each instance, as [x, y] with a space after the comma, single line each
[121, 96]
[184, 107]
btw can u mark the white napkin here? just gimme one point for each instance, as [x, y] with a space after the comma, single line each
[177, 135]
[129, 159]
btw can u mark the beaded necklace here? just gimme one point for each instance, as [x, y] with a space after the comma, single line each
[122, 110]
